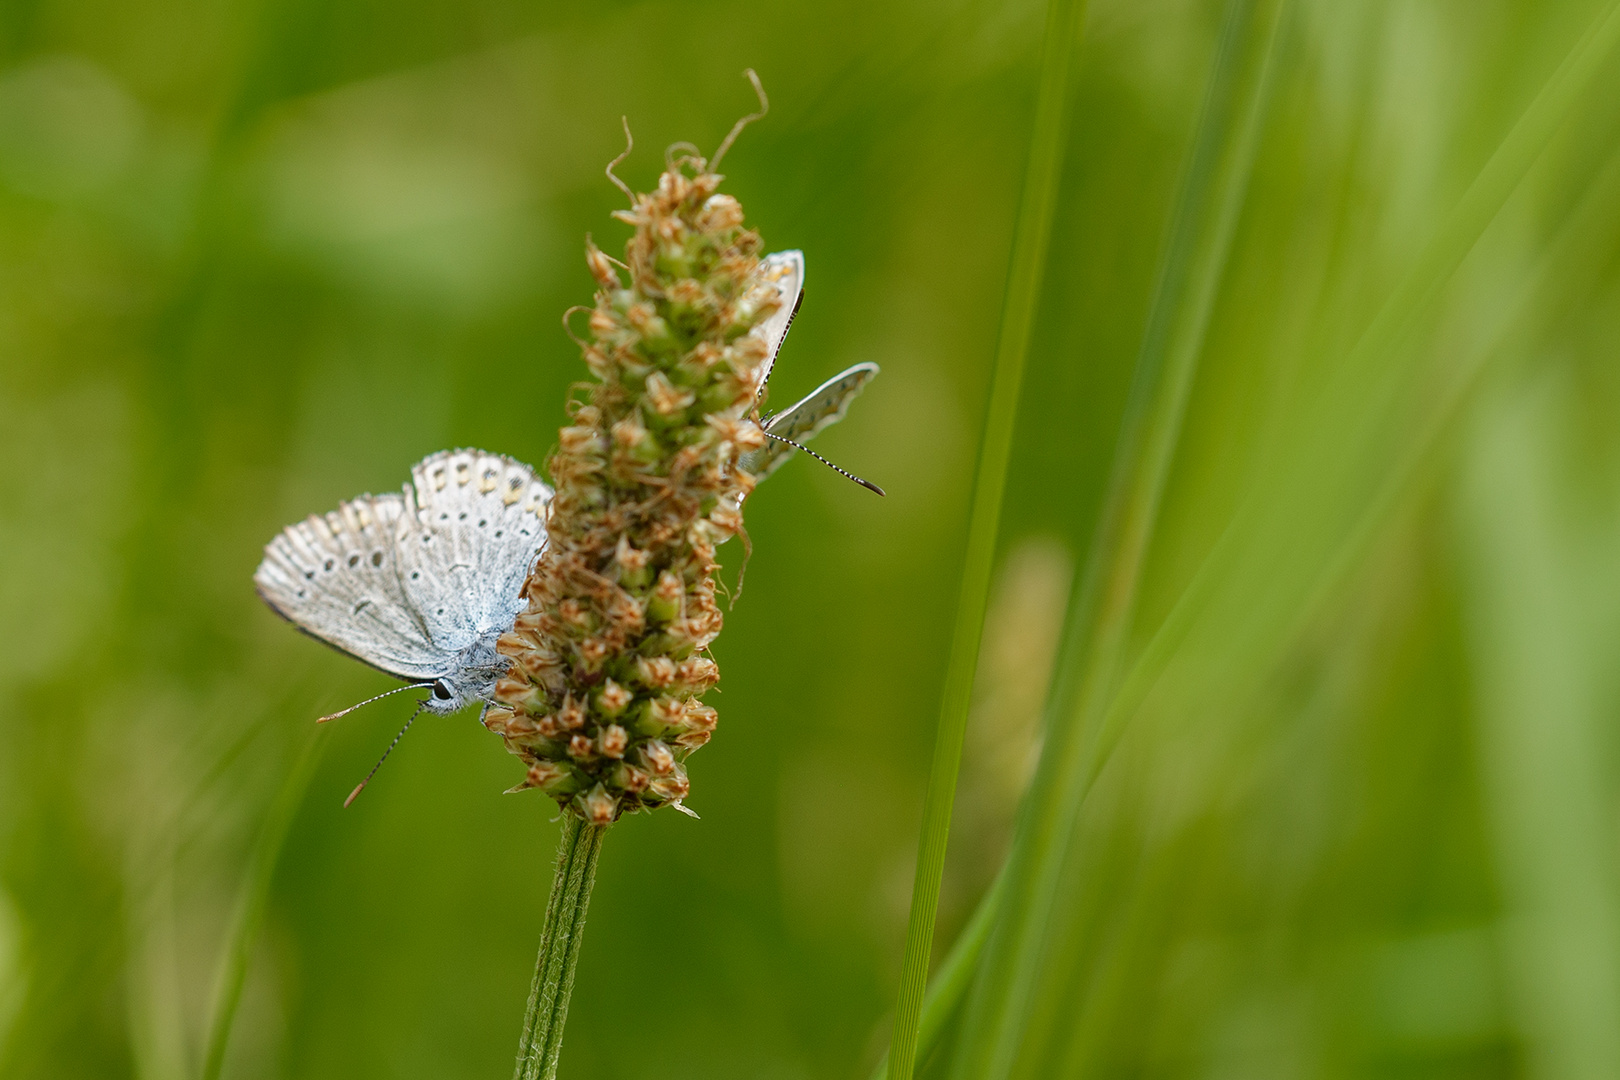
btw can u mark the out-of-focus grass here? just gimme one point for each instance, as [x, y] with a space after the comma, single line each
[1361, 819]
[1032, 234]
[1102, 609]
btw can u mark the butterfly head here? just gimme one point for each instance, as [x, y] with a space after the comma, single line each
[452, 693]
[472, 680]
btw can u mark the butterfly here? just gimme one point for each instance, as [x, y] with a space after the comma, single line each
[420, 583]
[819, 409]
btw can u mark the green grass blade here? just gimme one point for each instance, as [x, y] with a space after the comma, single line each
[1570, 263]
[1375, 357]
[1544, 724]
[1210, 199]
[955, 975]
[1235, 575]
[1028, 260]
[250, 908]
[1580, 242]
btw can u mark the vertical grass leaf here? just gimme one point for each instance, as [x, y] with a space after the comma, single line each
[1208, 204]
[1028, 260]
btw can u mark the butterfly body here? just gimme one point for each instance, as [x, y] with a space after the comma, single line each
[417, 584]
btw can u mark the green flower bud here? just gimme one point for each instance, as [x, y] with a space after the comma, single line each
[665, 601]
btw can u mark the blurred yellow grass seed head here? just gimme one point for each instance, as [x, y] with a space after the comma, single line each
[602, 700]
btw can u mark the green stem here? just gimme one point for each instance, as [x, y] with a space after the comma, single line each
[1018, 315]
[250, 908]
[1016, 948]
[560, 937]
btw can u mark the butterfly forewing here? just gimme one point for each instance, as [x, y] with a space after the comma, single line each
[785, 270]
[479, 522]
[336, 577]
[821, 408]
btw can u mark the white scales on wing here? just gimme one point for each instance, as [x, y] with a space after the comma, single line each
[785, 270]
[421, 584]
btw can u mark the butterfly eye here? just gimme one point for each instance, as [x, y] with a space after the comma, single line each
[441, 691]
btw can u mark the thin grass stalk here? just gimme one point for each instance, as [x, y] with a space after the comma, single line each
[1028, 260]
[250, 906]
[954, 976]
[560, 936]
[1579, 240]
[1101, 611]
[1543, 727]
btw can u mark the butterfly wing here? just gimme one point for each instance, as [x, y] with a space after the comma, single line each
[785, 270]
[821, 408]
[478, 521]
[336, 577]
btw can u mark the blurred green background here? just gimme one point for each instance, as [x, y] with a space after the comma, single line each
[257, 258]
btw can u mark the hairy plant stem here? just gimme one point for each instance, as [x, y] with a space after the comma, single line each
[560, 937]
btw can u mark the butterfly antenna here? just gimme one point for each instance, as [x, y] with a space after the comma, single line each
[386, 693]
[361, 786]
[867, 484]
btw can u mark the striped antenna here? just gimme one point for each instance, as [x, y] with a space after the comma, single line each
[386, 693]
[361, 786]
[867, 484]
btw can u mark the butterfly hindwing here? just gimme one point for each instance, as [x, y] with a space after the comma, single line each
[821, 408]
[421, 584]
[478, 521]
[417, 583]
[336, 577]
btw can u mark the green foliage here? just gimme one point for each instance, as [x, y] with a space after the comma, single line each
[1343, 802]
